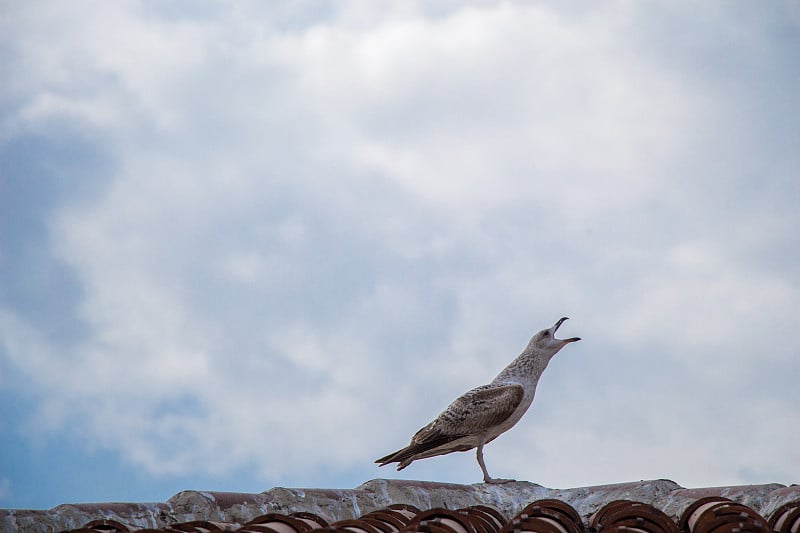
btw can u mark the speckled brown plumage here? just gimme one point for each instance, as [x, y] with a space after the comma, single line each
[481, 414]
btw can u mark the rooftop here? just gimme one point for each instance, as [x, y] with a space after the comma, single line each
[387, 506]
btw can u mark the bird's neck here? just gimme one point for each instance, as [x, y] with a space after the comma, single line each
[527, 368]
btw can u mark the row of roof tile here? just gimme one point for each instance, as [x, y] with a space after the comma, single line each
[391, 506]
[706, 515]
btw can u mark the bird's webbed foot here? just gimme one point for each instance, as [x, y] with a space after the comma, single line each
[497, 481]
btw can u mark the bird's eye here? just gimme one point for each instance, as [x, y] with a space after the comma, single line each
[545, 333]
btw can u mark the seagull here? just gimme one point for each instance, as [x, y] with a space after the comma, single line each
[480, 415]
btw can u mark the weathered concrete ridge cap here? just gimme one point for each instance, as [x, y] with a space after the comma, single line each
[587, 500]
[105, 524]
[331, 504]
[197, 526]
[508, 498]
[209, 505]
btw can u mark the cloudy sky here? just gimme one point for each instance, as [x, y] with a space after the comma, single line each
[257, 244]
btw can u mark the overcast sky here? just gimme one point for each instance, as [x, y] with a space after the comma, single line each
[257, 244]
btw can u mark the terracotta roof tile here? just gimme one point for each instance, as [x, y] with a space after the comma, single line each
[786, 518]
[631, 515]
[546, 515]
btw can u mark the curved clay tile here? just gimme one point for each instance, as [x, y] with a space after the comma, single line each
[720, 515]
[440, 520]
[632, 515]
[558, 511]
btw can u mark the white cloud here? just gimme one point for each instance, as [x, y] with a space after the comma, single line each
[321, 233]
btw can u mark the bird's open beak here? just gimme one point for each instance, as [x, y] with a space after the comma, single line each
[558, 325]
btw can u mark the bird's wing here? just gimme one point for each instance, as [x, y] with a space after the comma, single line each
[472, 413]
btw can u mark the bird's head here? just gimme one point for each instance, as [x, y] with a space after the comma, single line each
[547, 342]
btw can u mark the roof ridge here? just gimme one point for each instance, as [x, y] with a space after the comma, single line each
[340, 504]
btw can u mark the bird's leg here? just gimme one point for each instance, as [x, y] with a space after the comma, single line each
[486, 477]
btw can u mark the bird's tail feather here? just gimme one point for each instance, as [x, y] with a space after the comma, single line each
[383, 461]
[400, 456]
[417, 450]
